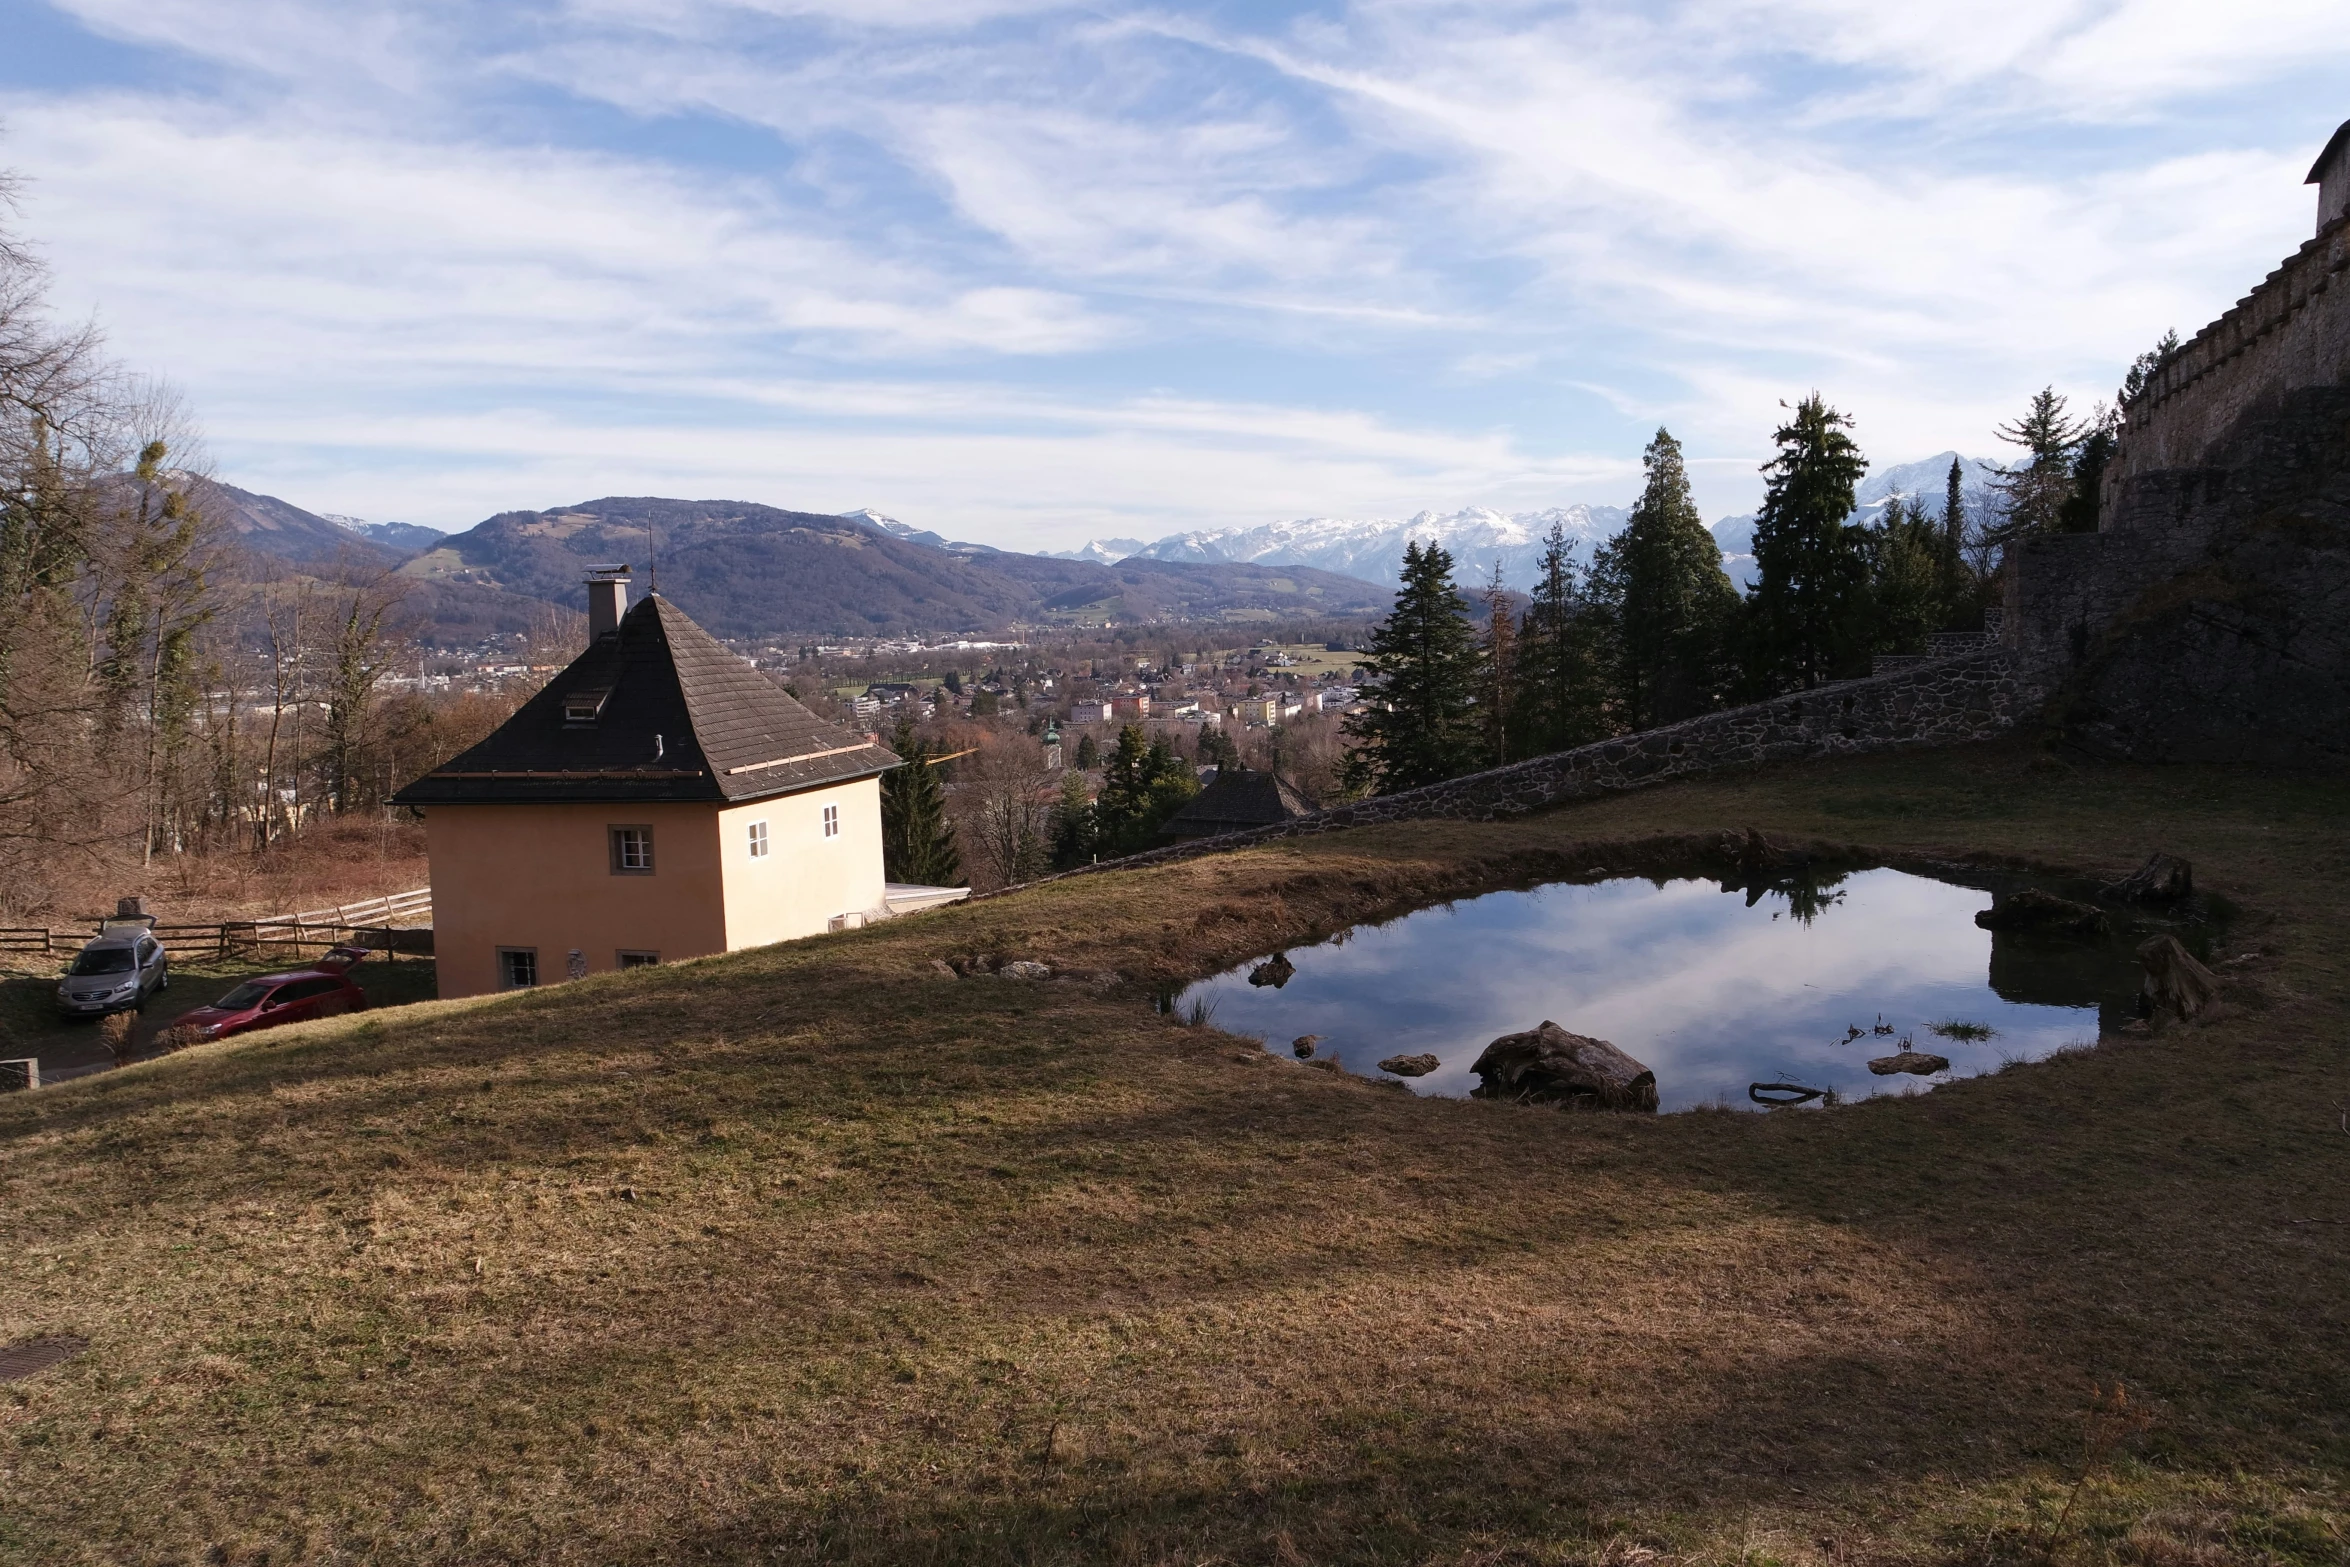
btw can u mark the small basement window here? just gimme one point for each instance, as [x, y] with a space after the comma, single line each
[632, 851]
[581, 707]
[758, 840]
[518, 967]
[832, 821]
[630, 959]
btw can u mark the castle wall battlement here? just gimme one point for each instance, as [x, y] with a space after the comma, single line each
[2290, 333]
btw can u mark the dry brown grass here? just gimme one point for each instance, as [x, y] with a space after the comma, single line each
[331, 862]
[816, 1254]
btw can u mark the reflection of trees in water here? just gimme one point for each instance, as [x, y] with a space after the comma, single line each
[1809, 893]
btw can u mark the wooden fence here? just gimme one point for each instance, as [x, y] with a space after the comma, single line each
[401, 922]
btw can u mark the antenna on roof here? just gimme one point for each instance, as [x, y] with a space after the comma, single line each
[652, 560]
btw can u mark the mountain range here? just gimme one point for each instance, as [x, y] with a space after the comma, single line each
[1480, 538]
[752, 571]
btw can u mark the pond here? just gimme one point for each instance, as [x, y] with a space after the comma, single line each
[1713, 987]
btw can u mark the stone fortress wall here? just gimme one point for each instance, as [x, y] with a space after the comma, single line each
[2210, 617]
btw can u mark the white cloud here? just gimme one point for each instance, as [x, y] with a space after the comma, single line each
[1054, 269]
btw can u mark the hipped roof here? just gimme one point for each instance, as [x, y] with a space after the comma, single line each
[1239, 799]
[724, 731]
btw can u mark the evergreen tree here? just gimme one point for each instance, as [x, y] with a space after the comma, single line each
[1497, 672]
[2036, 491]
[1808, 617]
[1089, 754]
[1143, 783]
[2143, 367]
[1561, 698]
[2080, 511]
[1418, 727]
[917, 840]
[1904, 601]
[1956, 593]
[1669, 604]
[1076, 837]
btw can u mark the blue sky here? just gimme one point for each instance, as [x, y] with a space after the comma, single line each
[1033, 273]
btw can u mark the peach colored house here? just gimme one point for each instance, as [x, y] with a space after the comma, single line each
[660, 799]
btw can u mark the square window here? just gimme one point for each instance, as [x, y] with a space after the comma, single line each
[632, 851]
[518, 967]
[758, 840]
[832, 821]
[630, 959]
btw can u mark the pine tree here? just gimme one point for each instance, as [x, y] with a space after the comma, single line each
[2036, 492]
[1089, 753]
[1808, 613]
[1418, 727]
[1561, 699]
[1956, 592]
[1669, 604]
[917, 840]
[1497, 672]
[1143, 783]
[1904, 604]
[2081, 510]
[1076, 836]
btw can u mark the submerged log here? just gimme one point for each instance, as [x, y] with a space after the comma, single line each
[1548, 1065]
[2044, 912]
[2175, 982]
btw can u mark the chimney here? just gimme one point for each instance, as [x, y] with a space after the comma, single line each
[2331, 175]
[607, 599]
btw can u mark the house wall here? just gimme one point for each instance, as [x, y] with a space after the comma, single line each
[541, 876]
[806, 879]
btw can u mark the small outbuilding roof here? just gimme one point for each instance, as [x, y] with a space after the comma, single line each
[1237, 801]
[658, 710]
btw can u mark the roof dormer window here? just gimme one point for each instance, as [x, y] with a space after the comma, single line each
[581, 707]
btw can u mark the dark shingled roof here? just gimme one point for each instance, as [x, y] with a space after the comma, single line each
[1235, 802]
[681, 719]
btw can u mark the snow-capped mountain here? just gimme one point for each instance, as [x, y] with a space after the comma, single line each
[1372, 547]
[1104, 552]
[913, 535]
[410, 536]
[1925, 480]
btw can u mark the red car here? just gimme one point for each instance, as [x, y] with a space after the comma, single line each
[295, 996]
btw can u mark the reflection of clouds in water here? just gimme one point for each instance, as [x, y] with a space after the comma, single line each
[1710, 993]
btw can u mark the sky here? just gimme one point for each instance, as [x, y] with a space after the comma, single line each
[1032, 273]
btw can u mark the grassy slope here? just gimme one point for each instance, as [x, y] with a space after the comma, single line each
[812, 1254]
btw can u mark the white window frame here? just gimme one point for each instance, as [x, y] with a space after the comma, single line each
[832, 821]
[618, 848]
[758, 837]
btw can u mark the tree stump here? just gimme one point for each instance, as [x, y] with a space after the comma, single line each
[1548, 1065]
[2175, 982]
[2162, 879]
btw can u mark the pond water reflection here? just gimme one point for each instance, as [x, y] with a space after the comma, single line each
[1711, 992]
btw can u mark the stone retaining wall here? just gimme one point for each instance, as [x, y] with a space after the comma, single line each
[1976, 696]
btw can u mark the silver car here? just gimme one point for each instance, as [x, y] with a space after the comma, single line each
[114, 973]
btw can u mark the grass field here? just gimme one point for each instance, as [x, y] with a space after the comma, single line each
[820, 1254]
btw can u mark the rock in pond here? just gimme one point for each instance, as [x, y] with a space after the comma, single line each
[1548, 1065]
[1275, 971]
[1916, 1061]
[2175, 982]
[2042, 912]
[1303, 1045]
[1410, 1066]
